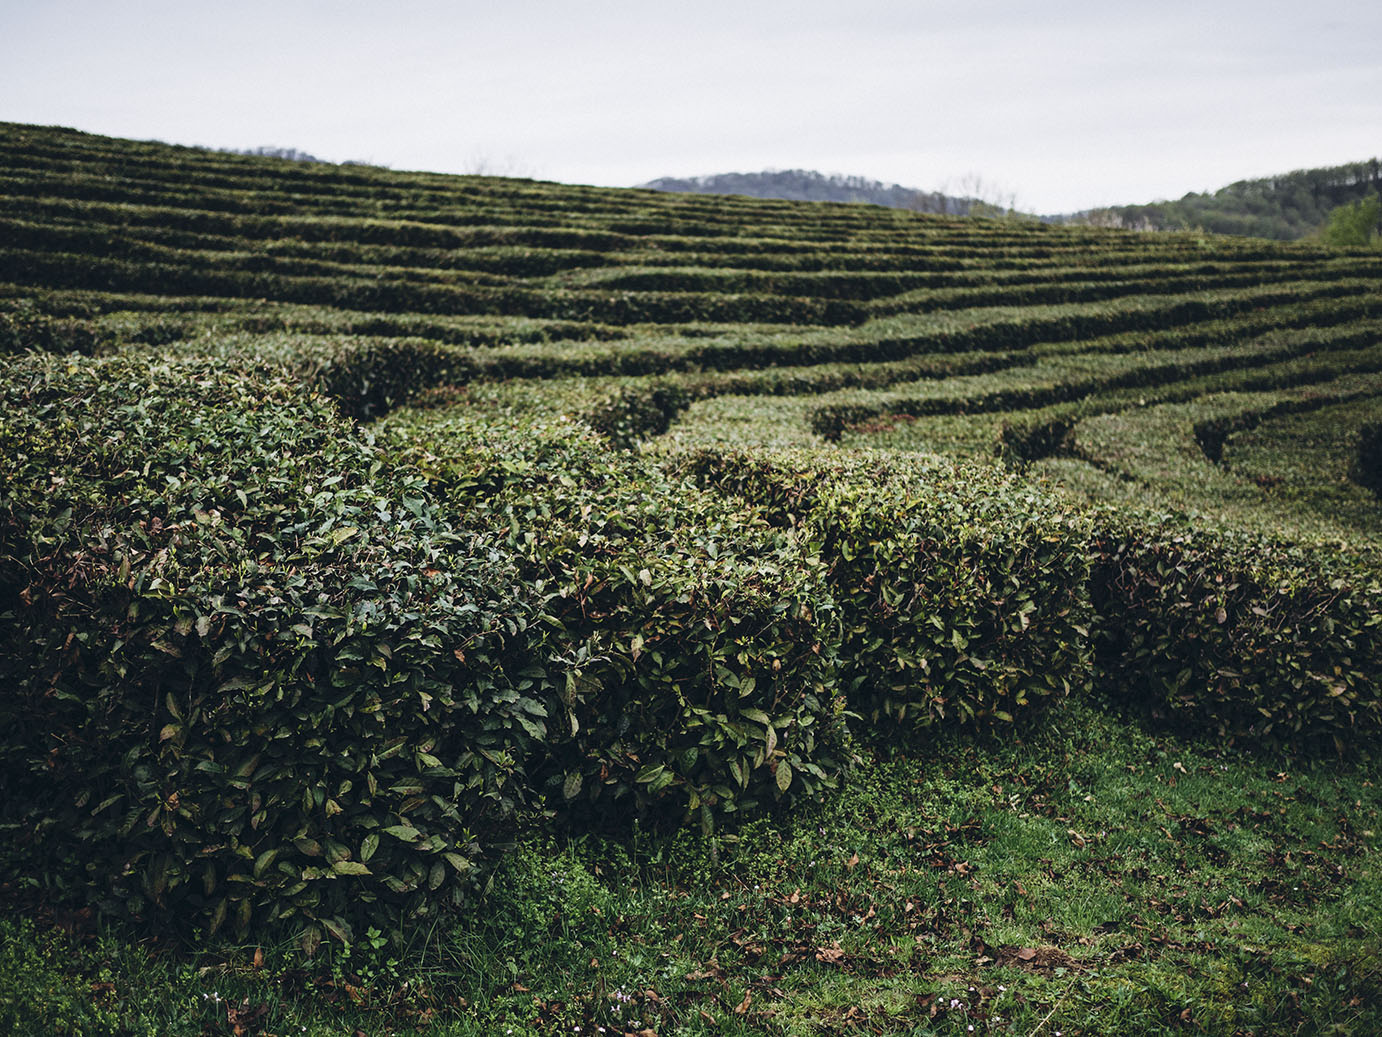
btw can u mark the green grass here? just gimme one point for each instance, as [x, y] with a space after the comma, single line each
[1094, 877]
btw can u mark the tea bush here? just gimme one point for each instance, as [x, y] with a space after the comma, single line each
[962, 590]
[693, 644]
[1366, 469]
[255, 675]
[1252, 640]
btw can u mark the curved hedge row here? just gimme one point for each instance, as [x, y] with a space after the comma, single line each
[76, 270]
[696, 644]
[1253, 640]
[255, 674]
[1354, 347]
[262, 671]
[962, 590]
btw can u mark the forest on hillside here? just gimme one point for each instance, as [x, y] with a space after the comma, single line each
[1286, 207]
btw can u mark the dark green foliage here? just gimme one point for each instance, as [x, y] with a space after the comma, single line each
[693, 645]
[962, 591]
[1366, 469]
[302, 282]
[225, 605]
[1238, 636]
[1271, 362]
[253, 673]
[22, 332]
[1020, 442]
[635, 414]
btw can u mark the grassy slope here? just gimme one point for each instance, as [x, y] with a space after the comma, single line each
[1097, 878]
[1093, 878]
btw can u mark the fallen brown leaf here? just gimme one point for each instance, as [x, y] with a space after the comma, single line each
[831, 955]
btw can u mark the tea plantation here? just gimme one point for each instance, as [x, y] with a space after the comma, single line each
[457, 604]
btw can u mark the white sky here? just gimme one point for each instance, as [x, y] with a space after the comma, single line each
[1066, 103]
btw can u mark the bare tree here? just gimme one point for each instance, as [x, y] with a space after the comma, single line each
[510, 166]
[985, 197]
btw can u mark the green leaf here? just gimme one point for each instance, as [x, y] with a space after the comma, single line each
[350, 868]
[340, 536]
[458, 862]
[784, 775]
[262, 862]
[339, 929]
[571, 787]
[650, 773]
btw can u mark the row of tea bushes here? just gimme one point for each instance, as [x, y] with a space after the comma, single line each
[262, 670]
[963, 591]
[267, 669]
[1053, 292]
[995, 599]
[697, 643]
[1062, 378]
[116, 317]
[1233, 635]
[206, 274]
[1020, 437]
[1276, 460]
[253, 675]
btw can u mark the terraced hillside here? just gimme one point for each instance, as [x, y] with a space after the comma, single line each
[869, 328]
[622, 503]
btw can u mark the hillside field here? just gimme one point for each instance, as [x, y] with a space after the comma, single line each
[463, 605]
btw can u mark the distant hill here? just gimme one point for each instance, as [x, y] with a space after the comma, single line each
[1285, 207]
[804, 185]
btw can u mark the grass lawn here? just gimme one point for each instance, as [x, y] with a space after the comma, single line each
[1094, 877]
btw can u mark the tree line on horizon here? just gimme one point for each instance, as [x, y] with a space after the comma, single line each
[1287, 207]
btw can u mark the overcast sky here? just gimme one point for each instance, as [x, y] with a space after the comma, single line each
[1066, 104]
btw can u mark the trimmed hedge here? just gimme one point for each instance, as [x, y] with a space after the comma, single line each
[695, 645]
[1366, 469]
[962, 590]
[1239, 636]
[201, 274]
[254, 675]
[1277, 358]
[23, 332]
